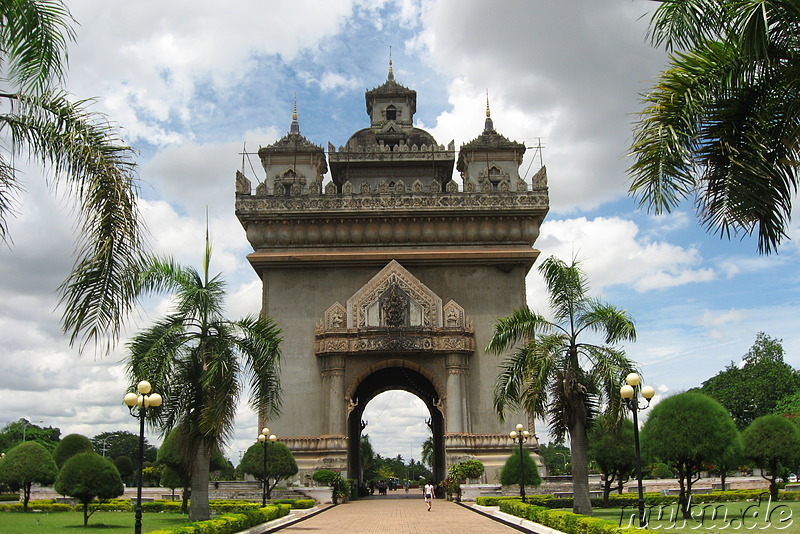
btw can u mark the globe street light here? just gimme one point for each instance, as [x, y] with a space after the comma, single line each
[628, 393]
[520, 435]
[265, 438]
[143, 400]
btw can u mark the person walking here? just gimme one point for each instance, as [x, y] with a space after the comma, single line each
[429, 494]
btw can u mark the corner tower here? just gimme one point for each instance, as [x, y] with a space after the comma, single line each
[391, 276]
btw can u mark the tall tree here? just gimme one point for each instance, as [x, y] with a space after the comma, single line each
[612, 446]
[21, 430]
[688, 431]
[87, 476]
[199, 362]
[68, 447]
[555, 374]
[123, 443]
[87, 159]
[773, 444]
[281, 464]
[721, 123]
[27, 464]
[755, 386]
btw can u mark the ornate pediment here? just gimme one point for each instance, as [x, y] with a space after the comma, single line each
[394, 312]
[394, 298]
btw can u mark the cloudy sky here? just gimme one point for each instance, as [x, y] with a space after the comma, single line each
[191, 84]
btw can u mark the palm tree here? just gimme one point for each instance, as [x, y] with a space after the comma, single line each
[721, 123]
[199, 362]
[556, 376]
[85, 156]
[427, 452]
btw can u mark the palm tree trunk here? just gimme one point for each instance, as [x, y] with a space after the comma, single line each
[198, 506]
[581, 503]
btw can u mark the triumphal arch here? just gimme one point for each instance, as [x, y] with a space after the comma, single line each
[389, 274]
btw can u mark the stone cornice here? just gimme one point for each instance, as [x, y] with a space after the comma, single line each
[249, 207]
[380, 340]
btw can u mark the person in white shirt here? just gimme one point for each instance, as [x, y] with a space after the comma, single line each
[428, 494]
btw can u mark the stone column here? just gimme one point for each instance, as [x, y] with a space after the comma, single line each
[456, 365]
[333, 383]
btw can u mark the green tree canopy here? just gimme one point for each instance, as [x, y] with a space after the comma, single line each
[557, 373]
[125, 466]
[21, 430]
[687, 431]
[26, 464]
[611, 446]
[281, 464]
[510, 473]
[71, 445]
[772, 442]
[123, 443]
[555, 457]
[87, 476]
[201, 362]
[720, 124]
[755, 387]
[88, 161]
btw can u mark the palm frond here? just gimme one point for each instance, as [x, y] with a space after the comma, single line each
[85, 154]
[521, 325]
[612, 322]
[35, 34]
[259, 345]
[722, 122]
[8, 191]
[567, 288]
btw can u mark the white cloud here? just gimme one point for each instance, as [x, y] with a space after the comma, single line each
[611, 252]
[714, 319]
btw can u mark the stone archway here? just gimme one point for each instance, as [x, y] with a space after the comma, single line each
[395, 374]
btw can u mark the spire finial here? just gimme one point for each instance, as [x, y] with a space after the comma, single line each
[488, 126]
[391, 72]
[295, 128]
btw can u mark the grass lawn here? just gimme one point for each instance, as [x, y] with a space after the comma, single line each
[780, 517]
[72, 522]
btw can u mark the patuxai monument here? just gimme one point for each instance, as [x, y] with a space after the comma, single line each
[388, 274]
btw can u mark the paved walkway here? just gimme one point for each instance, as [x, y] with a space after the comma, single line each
[399, 514]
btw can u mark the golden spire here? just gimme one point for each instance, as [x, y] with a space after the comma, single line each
[295, 127]
[488, 126]
[391, 72]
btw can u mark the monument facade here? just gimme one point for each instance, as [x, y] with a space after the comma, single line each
[390, 275]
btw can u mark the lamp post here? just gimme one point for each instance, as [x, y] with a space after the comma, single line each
[144, 399]
[25, 427]
[104, 446]
[520, 435]
[628, 393]
[265, 438]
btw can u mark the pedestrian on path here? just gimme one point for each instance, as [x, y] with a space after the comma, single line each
[429, 495]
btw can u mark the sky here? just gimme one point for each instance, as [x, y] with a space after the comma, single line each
[191, 86]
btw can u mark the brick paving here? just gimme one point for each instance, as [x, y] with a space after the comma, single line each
[398, 514]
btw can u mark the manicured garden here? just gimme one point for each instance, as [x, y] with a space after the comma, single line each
[160, 517]
[744, 510]
[72, 522]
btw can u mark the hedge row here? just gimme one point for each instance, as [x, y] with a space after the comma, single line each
[125, 505]
[231, 522]
[651, 499]
[559, 520]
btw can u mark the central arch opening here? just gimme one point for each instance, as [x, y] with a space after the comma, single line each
[386, 380]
